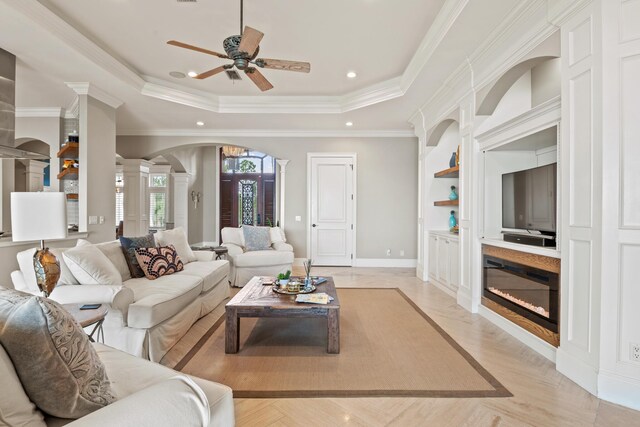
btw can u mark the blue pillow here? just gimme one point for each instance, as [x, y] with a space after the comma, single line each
[129, 246]
[256, 238]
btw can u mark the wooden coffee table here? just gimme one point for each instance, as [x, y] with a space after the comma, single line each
[258, 300]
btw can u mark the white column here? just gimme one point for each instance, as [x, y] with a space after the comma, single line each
[34, 175]
[136, 196]
[181, 200]
[283, 169]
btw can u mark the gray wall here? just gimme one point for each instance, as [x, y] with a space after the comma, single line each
[387, 184]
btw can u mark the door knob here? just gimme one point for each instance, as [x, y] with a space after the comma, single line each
[313, 225]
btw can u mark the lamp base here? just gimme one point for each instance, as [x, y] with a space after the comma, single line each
[47, 270]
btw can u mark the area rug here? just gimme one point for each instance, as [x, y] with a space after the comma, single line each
[389, 347]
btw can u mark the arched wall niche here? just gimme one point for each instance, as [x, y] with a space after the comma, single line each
[33, 144]
[489, 98]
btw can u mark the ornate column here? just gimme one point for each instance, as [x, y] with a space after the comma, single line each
[283, 169]
[181, 200]
[34, 176]
[136, 196]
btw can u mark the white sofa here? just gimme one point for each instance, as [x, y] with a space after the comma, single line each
[146, 318]
[148, 395]
[246, 264]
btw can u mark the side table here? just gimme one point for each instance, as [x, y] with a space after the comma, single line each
[221, 251]
[89, 317]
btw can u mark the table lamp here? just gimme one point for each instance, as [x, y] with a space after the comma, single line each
[40, 216]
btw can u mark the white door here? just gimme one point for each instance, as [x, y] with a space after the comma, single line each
[331, 210]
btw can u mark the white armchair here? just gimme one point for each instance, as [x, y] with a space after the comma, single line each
[246, 264]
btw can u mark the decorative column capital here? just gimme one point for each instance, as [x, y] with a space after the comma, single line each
[283, 164]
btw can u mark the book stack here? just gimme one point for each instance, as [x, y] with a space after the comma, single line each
[319, 298]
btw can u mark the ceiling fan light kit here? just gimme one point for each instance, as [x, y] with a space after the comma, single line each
[242, 50]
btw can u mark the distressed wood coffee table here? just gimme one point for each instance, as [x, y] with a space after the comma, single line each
[258, 300]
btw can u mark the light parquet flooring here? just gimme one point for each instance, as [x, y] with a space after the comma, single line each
[542, 396]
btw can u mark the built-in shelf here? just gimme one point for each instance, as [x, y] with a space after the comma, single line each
[72, 196]
[69, 151]
[453, 172]
[446, 203]
[68, 173]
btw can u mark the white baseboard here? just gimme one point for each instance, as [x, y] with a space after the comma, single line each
[586, 376]
[527, 338]
[385, 262]
[464, 300]
[619, 389]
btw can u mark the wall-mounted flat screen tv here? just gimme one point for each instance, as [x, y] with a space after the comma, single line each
[529, 199]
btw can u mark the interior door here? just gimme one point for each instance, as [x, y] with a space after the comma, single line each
[332, 206]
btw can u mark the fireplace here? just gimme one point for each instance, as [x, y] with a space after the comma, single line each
[523, 288]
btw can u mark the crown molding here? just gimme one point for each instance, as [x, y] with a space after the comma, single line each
[85, 88]
[40, 112]
[73, 110]
[52, 21]
[559, 11]
[269, 133]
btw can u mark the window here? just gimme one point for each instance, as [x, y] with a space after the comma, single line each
[119, 198]
[158, 183]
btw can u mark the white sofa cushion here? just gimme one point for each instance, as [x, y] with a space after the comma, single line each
[113, 251]
[129, 374]
[158, 300]
[176, 401]
[15, 407]
[211, 272]
[233, 235]
[263, 258]
[178, 238]
[91, 267]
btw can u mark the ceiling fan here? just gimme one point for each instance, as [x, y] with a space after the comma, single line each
[243, 50]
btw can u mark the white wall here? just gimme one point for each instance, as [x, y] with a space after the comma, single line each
[387, 188]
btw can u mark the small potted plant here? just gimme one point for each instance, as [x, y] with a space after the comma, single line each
[283, 278]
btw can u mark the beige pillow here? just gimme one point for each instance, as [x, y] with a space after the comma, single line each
[15, 407]
[178, 238]
[58, 367]
[113, 251]
[277, 235]
[91, 267]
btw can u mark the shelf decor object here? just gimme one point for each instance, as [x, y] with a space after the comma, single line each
[453, 195]
[452, 221]
[40, 216]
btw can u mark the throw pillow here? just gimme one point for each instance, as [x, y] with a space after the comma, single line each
[129, 245]
[15, 407]
[256, 238]
[91, 267]
[58, 367]
[113, 251]
[156, 262]
[277, 235]
[178, 238]
[25, 262]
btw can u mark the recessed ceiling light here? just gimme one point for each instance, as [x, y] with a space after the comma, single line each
[351, 74]
[200, 123]
[192, 74]
[177, 74]
[349, 124]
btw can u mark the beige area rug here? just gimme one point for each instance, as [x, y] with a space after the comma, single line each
[389, 347]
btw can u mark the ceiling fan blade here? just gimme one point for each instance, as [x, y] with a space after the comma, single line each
[257, 77]
[196, 48]
[281, 64]
[250, 40]
[210, 73]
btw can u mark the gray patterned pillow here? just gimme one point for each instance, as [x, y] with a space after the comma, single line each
[256, 238]
[57, 365]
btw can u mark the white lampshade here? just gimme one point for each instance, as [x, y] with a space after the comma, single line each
[38, 216]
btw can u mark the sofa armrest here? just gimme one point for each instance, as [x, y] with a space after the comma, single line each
[177, 401]
[282, 246]
[118, 296]
[233, 250]
[205, 255]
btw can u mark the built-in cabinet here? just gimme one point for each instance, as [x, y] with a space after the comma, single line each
[444, 261]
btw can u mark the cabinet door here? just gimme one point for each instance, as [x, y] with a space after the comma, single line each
[433, 256]
[454, 264]
[443, 260]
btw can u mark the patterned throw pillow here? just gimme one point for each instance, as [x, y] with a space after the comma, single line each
[256, 238]
[156, 262]
[129, 246]
[58, 367]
